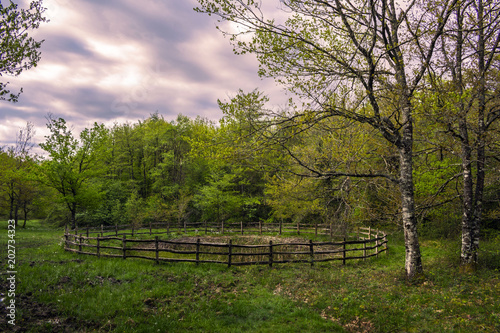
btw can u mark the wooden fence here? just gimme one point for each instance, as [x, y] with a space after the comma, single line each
[367, 243]
[213, 228]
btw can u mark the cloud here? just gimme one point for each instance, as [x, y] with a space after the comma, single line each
[121, 60]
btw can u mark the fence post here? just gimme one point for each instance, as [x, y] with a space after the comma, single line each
[157, 252]
[222, 224]
[197, 251]
[116, 229]
[316, 229]
[206, 230]
[66, 238]
[87, 231]
[298, 229]
[102, 230]
[281, 222]
[343, 252]
[369, 232]
[124, 246]
[185, 231]
[385, 243]
[331, 230]
[132, 230]
[229, 252]
[80, 244]
[376, 244]
[168, 227]
[260, 227]
[150, 231]
[98, 249]
[311, 246]
[271, 253]
[364, 249]
[241, 227]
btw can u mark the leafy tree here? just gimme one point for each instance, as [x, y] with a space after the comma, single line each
[18, 51]
[74, 163]
[17, 178]
[351, 60]
[219, 200]
[466, 105]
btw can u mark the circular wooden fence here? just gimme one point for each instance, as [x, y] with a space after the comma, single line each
[133, 242]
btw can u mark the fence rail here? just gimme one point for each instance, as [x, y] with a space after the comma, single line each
[367, 243]
[209, 228]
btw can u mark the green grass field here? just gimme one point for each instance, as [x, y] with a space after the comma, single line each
[58, 291]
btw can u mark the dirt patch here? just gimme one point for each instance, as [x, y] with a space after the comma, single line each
[32, 316]
[243, 239]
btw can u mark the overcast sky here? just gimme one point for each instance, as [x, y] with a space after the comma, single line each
[121, 60]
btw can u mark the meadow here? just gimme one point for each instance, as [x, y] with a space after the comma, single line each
[59, 291]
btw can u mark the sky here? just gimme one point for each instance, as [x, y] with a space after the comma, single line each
[110, 61]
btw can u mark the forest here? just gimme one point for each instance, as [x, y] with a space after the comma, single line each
[246, 167]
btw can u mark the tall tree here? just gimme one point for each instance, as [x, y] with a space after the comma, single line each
[468, 103]
[73, 163]
[18, 51]
[353, 60]
[16, 179]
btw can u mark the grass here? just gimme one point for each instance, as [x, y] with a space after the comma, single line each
[58, 291]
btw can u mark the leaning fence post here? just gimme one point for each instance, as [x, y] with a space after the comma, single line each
[311, 247]
[124, 246]
[270, 253]
[229, 252]
[343, 252]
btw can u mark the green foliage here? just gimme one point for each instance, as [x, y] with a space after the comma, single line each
[74, 164]
[18, 51]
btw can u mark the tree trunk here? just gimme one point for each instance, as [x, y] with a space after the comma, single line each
[413, 262]
[471, 229]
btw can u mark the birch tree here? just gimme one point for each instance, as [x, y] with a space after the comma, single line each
[349, 59]
[465, 81]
